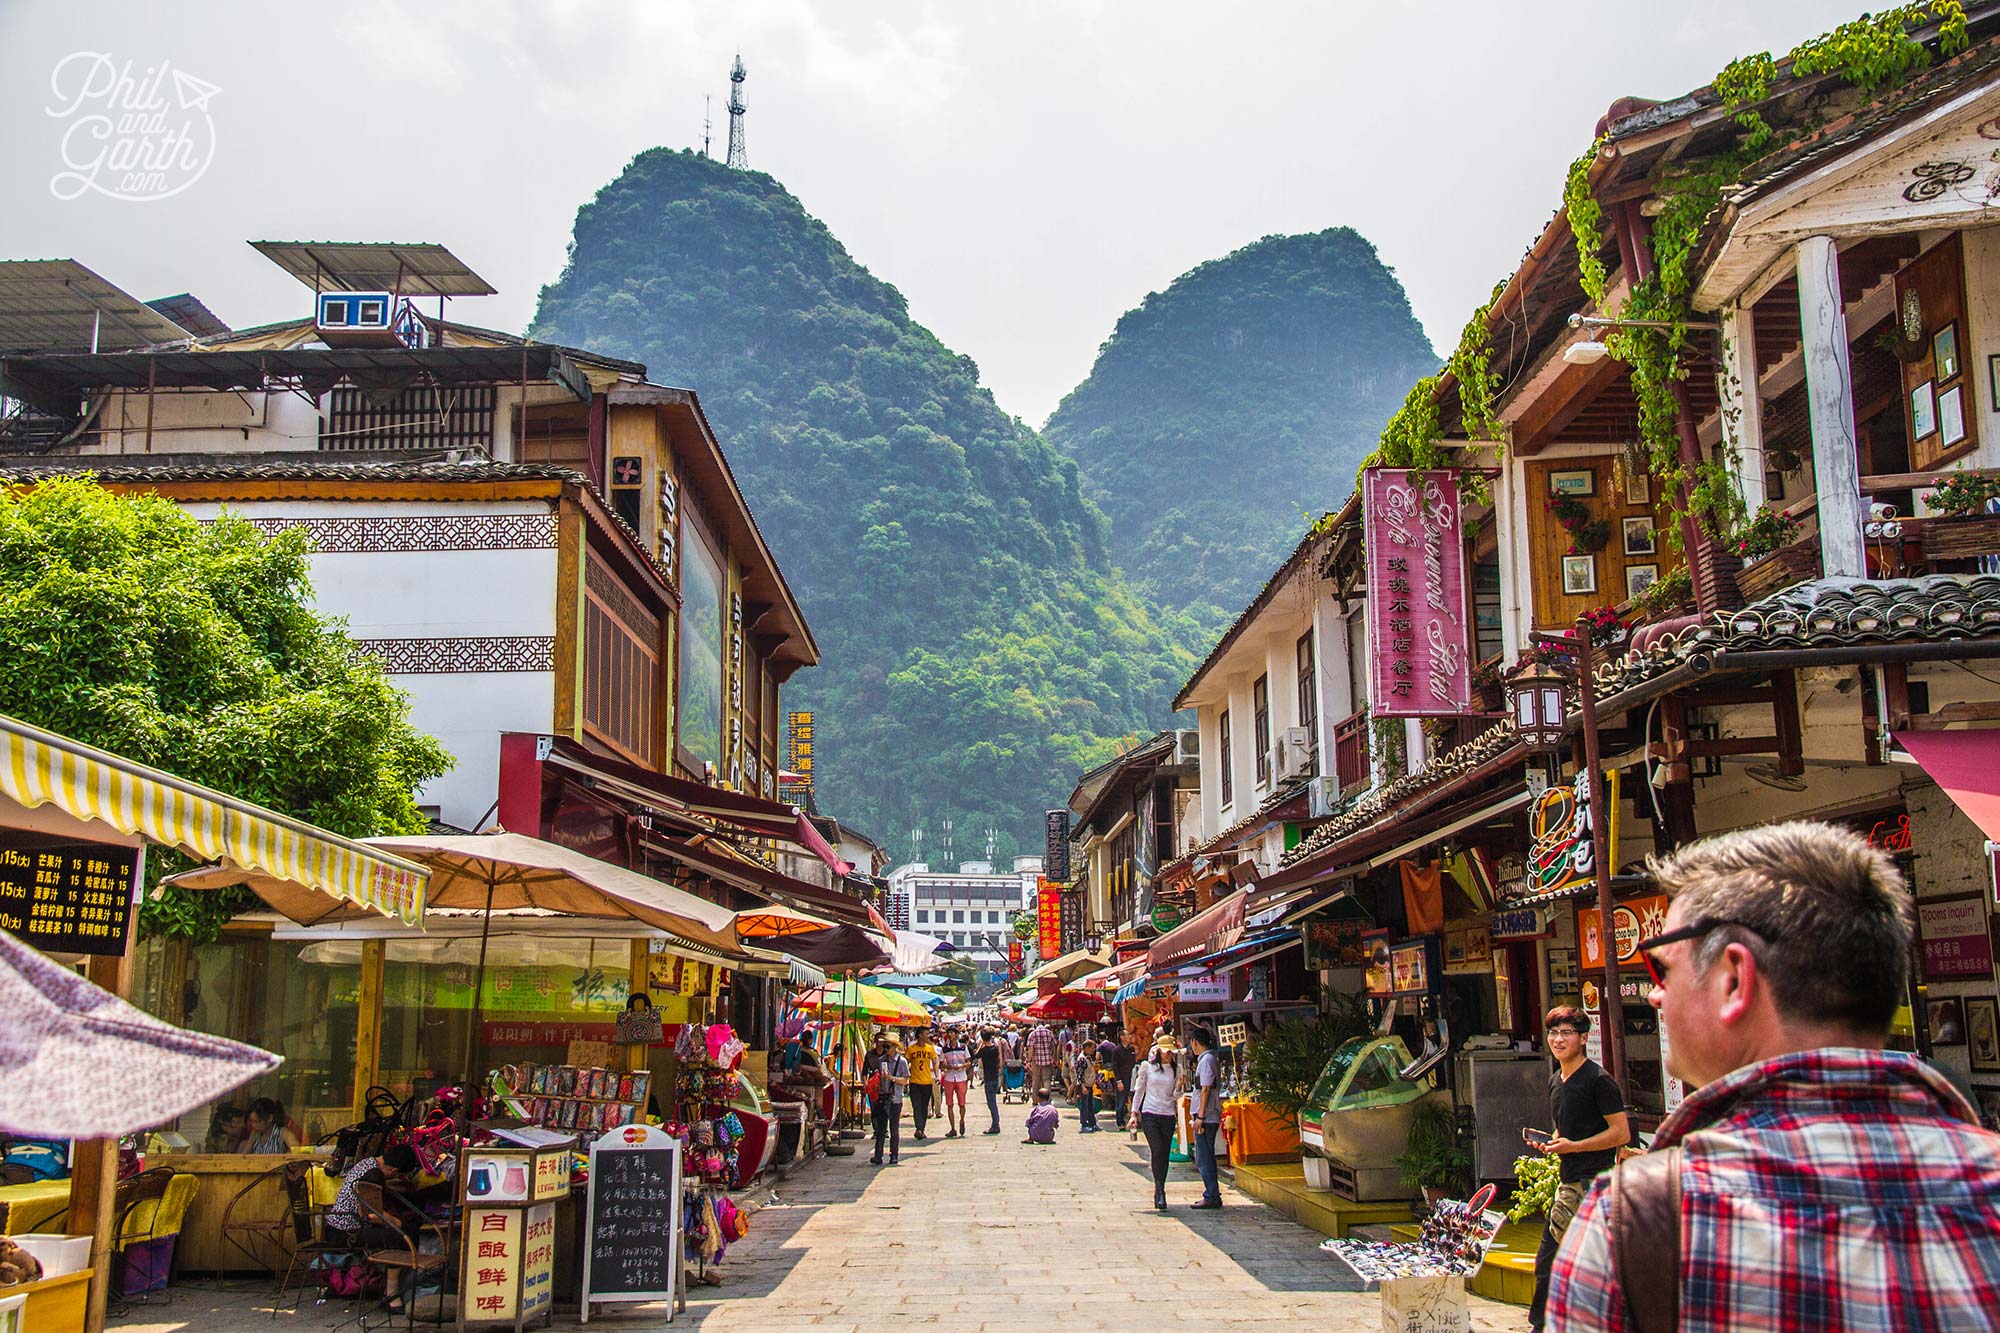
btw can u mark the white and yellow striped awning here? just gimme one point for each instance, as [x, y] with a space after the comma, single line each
[41, 768]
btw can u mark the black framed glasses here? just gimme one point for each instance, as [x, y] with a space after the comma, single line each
[1708, 925]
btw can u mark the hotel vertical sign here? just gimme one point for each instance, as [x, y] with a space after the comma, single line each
[1417, 624]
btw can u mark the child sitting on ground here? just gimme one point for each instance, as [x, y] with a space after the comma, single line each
[1042, 1120]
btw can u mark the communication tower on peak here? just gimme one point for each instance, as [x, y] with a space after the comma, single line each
[707, 123]
[738, 157]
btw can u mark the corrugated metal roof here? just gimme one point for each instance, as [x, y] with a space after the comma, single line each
[53, 305]
[414, 268]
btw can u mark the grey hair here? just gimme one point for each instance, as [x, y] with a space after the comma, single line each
[1829, 917]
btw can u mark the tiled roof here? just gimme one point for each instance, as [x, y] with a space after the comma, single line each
[1483, 749]
[1822, 613]
[1283, 792]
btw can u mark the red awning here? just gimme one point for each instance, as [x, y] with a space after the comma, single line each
[766, 882]
[1220, 925]
[1967, 765]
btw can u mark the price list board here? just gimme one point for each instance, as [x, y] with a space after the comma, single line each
[632, 1239]
[67, 897]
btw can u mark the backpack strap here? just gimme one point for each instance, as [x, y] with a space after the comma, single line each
[1645, 1228]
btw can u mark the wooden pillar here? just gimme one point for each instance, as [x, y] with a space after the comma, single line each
[637, 980]
[368, 1024]
[1830, 399]
[94, 1175]
[1742, 409]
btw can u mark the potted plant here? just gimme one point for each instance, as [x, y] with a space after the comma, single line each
[1963, 528]
[1773, 555]
[1587, 535]
[1668, 596]
[1536, 1176]
[1433, 1160]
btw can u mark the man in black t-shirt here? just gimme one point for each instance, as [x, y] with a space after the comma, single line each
[1123, 1058]
[988, 1055]
[1588, 1113]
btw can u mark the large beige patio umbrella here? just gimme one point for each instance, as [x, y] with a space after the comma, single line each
[489, 872]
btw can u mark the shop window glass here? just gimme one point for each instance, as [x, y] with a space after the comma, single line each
[259, 990]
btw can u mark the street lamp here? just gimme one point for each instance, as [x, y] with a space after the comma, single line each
[1538, 700]
[1094, 940]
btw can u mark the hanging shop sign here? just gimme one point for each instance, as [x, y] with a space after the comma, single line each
[1413, 966]
[1517, 923]
[1014, 958]
[1639, 919]
[1204, 989]
[1334, 944]
[1072, 919]
[1055, 844]
[1956, 942]
[1048, 919]
[1168, 915]
[67, 897]
[1468, 949]
[1561, 853]
[1375, 977]
[799, 750]
[1418, 663]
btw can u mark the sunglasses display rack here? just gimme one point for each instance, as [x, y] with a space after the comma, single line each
[575, 1097]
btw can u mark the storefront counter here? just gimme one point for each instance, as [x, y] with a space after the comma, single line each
[1259, 1134]
[218, 1177]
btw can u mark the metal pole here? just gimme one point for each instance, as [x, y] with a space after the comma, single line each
[478, 984]
[1600, 840]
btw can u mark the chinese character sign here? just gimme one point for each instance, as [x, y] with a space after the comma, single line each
[1055, 844]
[1956, 943]
[1417, 660]
[492, 1276]
[799, 749]
[1048, 919]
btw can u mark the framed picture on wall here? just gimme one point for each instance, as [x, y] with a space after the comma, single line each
[1951, 415]
[1923, 410]
[1987, 1102]
[1638, 578]
[1982, 1032]
[1947, 1021]
[1562, 969]
[1638, 487]
[1579, 574]
[1576, 481]
[1639, 536]
[1944, 352]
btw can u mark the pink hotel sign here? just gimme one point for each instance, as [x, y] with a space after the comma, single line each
[1417, 660]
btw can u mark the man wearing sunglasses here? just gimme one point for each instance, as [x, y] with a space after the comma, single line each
[1812, 1179]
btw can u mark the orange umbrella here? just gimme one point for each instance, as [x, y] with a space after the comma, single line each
[774, 922]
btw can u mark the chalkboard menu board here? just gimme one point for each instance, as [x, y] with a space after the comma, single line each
[632, 1239]
[67, 897]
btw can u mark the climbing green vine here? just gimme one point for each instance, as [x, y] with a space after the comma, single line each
[1869, 53]
[1414, 437]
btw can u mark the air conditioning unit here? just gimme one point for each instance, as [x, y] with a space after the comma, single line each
[1295, 756]
[1187, 747]
[1322, 796]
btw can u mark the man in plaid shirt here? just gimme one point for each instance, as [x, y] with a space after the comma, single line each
[1825, 1183]
[1041, 1057]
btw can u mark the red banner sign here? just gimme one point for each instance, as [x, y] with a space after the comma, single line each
[1418, 665]
[1014, 958]
[1048, 919]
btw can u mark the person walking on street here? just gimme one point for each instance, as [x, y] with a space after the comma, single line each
[1207, 1112]
[1041, 1052]
[1085, 1084]
[1811, 1179]
[1153, 1094]
[923, 1080]
[1123, 1058]
[892, 1074]
[1588, 1114]
[989, 1075]
[954, 1074]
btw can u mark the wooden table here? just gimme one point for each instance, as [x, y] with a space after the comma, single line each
[202, 1248]
[39, 1205]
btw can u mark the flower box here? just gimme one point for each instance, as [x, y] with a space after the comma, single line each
[1963, 538]
[1764, 575]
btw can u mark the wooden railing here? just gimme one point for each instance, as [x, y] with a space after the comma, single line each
[1350, 750]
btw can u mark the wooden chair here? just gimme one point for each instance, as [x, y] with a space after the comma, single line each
[256, 1233]
[374, 1205]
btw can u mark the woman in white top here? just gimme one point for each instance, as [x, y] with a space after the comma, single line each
[954, 1074]
[1153, 1089]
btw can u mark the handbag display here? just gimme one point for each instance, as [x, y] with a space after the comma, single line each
[640, 1026]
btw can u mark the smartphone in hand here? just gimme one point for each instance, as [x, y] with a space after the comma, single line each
[1535, 1138]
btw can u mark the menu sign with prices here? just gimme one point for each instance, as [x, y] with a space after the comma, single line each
[632, 1232]
[1417, 624]
[68, 897]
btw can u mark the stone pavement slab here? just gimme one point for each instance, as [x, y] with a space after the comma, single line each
[968, 1234]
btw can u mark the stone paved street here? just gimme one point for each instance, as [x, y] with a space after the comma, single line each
[989, 1233]
[979, 1233]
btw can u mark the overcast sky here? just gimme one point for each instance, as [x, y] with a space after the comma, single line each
[1023, 171]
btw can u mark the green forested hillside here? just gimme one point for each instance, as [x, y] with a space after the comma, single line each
[978, 649]
[1228, 409]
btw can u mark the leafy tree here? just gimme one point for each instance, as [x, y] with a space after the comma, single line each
[979, 649]
[1227, 409]
[193, 648]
